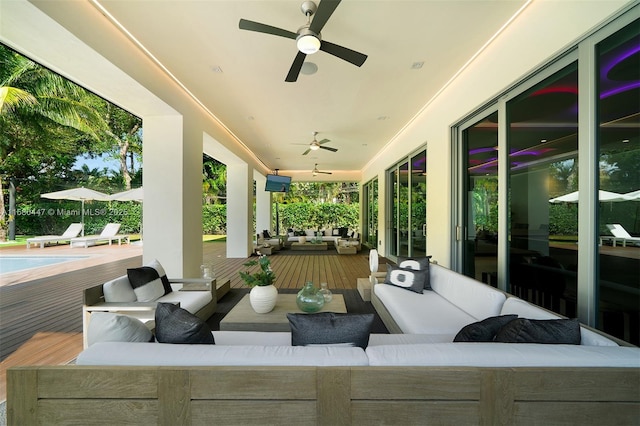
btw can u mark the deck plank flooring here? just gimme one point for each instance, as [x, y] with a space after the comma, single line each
[41, 309]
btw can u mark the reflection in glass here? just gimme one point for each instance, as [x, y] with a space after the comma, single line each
[393, 237]
[543, 150]
[481, 211]
[403, 210]
[418, 240]
[619, 160]
[370, 220]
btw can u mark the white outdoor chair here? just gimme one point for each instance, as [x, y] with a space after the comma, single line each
[619, 233]
[109, 234]
[72, 231]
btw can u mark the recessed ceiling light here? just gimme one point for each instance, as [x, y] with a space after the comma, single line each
[417, 65]
[382, 117]
[308, 68]
[543, 141]
[251, 118]
[216, 69]
[625, 140]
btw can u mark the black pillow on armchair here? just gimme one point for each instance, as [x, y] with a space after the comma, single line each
[177, 325]
[266, 234]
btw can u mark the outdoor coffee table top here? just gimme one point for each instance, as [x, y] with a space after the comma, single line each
[242, 317]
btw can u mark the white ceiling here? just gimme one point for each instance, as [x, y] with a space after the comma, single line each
[359, 109]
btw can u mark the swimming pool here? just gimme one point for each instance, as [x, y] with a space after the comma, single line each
[21, 263]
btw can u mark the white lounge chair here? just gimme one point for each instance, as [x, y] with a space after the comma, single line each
[72, 231]
[619, 233]
[109, 234]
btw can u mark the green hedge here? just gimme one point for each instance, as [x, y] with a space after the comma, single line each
[54, 217]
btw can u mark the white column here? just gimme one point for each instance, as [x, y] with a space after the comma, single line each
[263, 204]
[239, 210]
[172, 208]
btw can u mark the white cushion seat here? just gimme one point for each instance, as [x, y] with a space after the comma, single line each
[429, 313]
[192, 301]
[503, 355]
[165, 354]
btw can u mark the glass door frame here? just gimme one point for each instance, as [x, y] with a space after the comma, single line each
[394, 238]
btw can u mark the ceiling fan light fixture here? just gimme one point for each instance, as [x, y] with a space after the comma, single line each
[314, 147]
[308, 42]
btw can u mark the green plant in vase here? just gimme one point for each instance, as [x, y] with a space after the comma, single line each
[263, 295]
[263, 277]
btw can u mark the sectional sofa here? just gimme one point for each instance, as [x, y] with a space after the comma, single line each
[418, 377]
[330, 236]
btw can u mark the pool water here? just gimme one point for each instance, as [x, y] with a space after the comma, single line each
[21, 263]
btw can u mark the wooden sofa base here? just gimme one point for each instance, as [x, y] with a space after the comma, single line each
[321, 395]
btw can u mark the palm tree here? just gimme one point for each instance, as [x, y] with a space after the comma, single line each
[32, 98]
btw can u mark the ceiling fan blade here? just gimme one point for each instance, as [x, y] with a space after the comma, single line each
[294, 71]
[324, 173]
[323, 141]
[356, 58]
[328, 148]
[322, 15]
[306, 152]
[264, 28]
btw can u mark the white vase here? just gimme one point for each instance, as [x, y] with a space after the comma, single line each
[263, 298]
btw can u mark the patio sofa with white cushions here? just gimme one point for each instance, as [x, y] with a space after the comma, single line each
[422, 377]
[138, 293]
[259, 377]
[331, 236]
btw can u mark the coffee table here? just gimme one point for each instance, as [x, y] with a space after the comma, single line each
[309, 246]
[242, 317]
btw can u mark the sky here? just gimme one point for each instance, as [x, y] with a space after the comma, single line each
[96, 163]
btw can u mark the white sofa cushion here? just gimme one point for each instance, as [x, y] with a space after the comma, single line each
[503, 355]
[110, 327]
[524, 309]
[475, 298]
[119, 290]
[161, 354]
[426, 313]
[283, 338]
[192, 301]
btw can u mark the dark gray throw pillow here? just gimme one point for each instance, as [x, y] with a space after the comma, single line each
[177, 325]
[329, 328]
[419, 263]
[555, 331]
[408, 279]
[483, 331]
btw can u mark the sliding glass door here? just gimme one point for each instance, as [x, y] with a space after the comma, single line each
[549, 178]
[480, 231]
[407, 227]
[370, 212]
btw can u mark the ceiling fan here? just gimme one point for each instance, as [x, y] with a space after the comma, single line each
[315, 171]
[315, 145]
[308, 37]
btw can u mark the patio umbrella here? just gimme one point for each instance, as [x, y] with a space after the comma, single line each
[602, 196]
[77, 194]
[136, 194]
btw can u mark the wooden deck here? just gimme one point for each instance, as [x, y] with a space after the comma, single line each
[41, 310]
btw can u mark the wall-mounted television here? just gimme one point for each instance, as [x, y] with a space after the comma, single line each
[277, 183]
